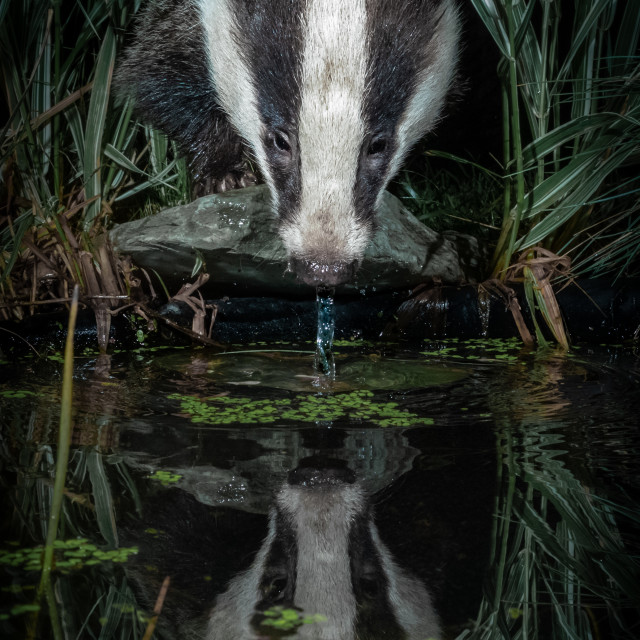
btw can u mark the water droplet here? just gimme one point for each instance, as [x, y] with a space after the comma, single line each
[324, 362]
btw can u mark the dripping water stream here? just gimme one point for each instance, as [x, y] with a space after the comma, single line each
[324, 362]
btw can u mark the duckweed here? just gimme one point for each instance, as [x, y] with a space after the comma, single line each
[71, 554]
[165, 478]
[356, 405]
[487, 349]
[287, 619]
[16, 393]
[358, 343]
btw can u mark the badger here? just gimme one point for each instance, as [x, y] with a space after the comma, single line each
[323, 555]
[325, 96]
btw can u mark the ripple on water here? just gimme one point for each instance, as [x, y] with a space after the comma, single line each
[295, 372]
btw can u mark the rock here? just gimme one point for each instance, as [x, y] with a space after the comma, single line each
[236, 234]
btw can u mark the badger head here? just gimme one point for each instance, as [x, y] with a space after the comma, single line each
[324, 556]
[329, 96]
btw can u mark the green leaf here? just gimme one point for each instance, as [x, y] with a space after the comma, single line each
[105, 512]
[96, 120]
[119, 158]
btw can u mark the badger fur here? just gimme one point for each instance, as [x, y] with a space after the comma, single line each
[323, 554]
[327, 96]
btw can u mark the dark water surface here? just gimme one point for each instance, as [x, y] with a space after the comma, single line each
[505, 480]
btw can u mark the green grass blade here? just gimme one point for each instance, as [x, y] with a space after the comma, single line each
[13, 241]
[62, 458]
[567, 195]
[95, 126]
[105, 511]
[121, 160]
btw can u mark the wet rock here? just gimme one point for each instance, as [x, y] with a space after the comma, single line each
[248, 481]
[236, 234]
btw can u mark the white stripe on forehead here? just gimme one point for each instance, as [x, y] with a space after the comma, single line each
[322, 519]
[232, 79]
[331, 128]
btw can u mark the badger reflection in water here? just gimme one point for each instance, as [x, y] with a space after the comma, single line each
[323, 555]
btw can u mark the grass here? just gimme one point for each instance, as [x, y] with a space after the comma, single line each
[571, 107]
[462, 198]
[62, 460]
[71, 154]
[570, 83]
[562, 562]
[544, 582]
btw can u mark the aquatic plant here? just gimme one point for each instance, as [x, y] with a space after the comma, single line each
[355, 406]
[571, 134]
[562, 561]
[17, 393]
[165, 478]
[570, 117]
[287, 619]
[480, 349]
[74, 553]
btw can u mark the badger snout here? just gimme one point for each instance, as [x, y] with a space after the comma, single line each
[309, 474]
[318, 273]
[325, 248]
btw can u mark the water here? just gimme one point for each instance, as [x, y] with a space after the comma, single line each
[324, 362]
[505, 480]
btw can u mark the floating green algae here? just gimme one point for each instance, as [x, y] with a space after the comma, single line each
[70, 554]
[286, 619]
[483, 349]
[165, 478]
[16, 393]
[354, 406]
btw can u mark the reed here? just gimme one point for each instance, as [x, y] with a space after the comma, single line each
[559, 563]
[570, 78]
[45, 588]
[572, 102]
[72, 155]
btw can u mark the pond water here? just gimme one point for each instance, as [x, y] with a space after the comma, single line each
[503, 480]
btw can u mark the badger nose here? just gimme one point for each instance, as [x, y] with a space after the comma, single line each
[319, 273]
[315, 476]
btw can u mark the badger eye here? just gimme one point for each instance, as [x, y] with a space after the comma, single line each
[370, 586]
[275, 590]
[280, 141]
[376, 146]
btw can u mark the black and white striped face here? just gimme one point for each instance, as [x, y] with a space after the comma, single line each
[323, 554]
[330, 95]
